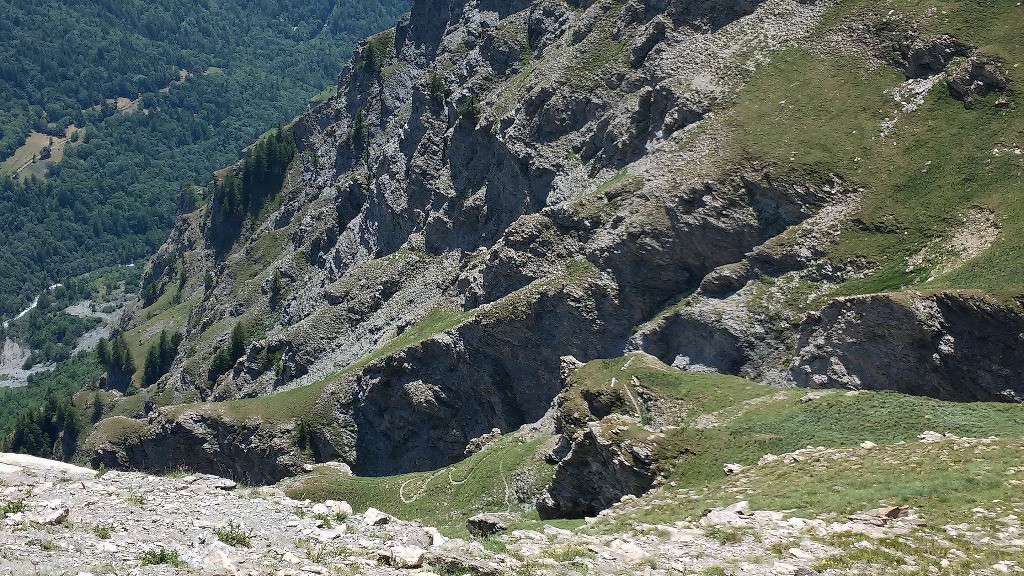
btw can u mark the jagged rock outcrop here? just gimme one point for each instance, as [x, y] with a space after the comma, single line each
[609, 459]
[976, 77]
[950, 346]
[603, 452]
[922, 57]
[743, 317]
[255, 452]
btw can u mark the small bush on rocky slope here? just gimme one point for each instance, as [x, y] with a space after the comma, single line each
[12, 507]
[234, 535]
[161, 557]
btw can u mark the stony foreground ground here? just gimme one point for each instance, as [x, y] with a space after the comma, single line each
[63, 519]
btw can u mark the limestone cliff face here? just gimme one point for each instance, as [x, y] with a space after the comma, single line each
[955, 347]
[611, 458]
[253, 452]
[497, 185]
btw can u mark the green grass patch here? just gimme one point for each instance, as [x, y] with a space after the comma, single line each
[725, 535]
[598, 53]
[620, 177]
[444, 498]
[435, 322]
[518, 304]
[162, 315]
[103, 531]
[326, 94]
[12, 507]
[259, 255]
[591, 390]
[942, 481]
[234, 535]
[782, 424]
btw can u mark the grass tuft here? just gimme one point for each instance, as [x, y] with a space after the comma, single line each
[234, 535]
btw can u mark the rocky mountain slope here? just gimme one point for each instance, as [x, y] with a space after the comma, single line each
[764, 189]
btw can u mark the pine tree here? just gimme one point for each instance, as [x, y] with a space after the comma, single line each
[160, 357]
[103, 352]
[359, 131]
[220, 364]
[128, 367]
[28, 437]
[69, 431]
[237, 342]
[166, 352]
[151, 372]
[225, 358]
[97, 407]
[120, 356]
[117, 354]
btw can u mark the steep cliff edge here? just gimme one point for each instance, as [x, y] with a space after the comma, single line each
[501, 184]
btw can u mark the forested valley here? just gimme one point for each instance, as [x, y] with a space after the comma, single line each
[151, 97]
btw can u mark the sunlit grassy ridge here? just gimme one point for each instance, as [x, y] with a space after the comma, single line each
[726, 419]
[809, 113]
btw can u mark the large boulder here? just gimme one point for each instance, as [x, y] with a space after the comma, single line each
[484, 525]
[977, 77]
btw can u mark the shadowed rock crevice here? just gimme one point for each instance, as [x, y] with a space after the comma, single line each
[690, 344]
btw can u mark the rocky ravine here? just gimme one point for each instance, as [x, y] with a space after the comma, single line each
[501, 184]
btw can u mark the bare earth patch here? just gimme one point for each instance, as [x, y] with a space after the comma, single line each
[978, 230]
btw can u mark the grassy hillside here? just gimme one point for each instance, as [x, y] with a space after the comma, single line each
[823, 111]
[722, 419]
[503, 477]
[852, 452]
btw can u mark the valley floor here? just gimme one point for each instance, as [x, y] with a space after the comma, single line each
[13, 354]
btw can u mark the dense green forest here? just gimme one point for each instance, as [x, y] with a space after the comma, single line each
[50, 331]
[246, 66]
